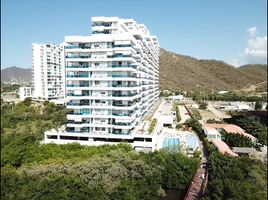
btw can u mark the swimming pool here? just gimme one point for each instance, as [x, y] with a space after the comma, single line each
[191, 141]
[171, 143]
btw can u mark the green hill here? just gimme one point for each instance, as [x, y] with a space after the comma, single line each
[179, 72]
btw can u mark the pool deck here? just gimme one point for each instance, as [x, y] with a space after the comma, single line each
[182, 135]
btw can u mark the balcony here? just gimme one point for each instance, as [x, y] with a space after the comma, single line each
[77, 95]
[76, 85]
[124, 95]
[123, 114]
[121, 45]
[79, 113]
[78, 66]
[78, 56]
[101, 24]
[78, 76]
[120, 66]
[77, 104]
[123, 105]
[123, 76]
[77, 47]
[115, 85]
[123, 124]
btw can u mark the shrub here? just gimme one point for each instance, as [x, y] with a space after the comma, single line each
[152, 125]
[178, 114]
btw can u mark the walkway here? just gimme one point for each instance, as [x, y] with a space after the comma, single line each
[198, 184]
[184, 114]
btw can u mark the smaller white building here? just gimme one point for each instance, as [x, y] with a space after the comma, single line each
[211, 133]
[177, 97]
[166, 120]
[25, 92]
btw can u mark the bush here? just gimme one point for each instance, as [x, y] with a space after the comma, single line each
[203, 105]
[195, 114]
[178, 126]
[178, 114]
[152, 125]
[258, 105]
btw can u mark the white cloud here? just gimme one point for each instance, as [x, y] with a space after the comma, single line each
[257, 47]
[255, 51]
[252, 31]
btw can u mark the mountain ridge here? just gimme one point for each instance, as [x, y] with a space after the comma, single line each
[181, 72]
[16, 74]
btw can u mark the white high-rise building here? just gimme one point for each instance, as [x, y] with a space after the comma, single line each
[48, 72]
[112, 79]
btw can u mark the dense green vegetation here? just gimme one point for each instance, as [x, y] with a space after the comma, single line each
[195, 114]
[229, 96]
[258, 105]
[239, 178]
[30, 170]
[250, 126]
[10, 87]
[236, 139]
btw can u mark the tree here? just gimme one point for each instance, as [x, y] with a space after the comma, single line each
[178, 126]
[203, 105]
[258, 105]
[27, 101]
[197, 154]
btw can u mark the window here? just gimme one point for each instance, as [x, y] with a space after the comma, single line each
[52, 136]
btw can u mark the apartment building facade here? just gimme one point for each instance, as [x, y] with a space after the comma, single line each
[25, 92]
[48, 72]
[112, 79]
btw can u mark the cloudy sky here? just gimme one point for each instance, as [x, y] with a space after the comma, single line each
[234, 31]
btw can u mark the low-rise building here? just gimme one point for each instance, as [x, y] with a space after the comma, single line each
[211, 133]
[25, 92]
[252, 152]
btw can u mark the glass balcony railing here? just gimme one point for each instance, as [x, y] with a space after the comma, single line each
[119, 56]
[124, 95]
[77, 95]
[77, 104]
[115, 85]
[123, 114]
[123, 105]
[78, 66]
[122, 76]
[123, 124]
[76, 85]
[80, 113]
[120, 66]
[77, 47]
[78, 76]
[121, 45]
[77, 56]
[101, 24]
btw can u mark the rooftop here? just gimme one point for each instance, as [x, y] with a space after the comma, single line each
[230, 128]
[223, 147]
